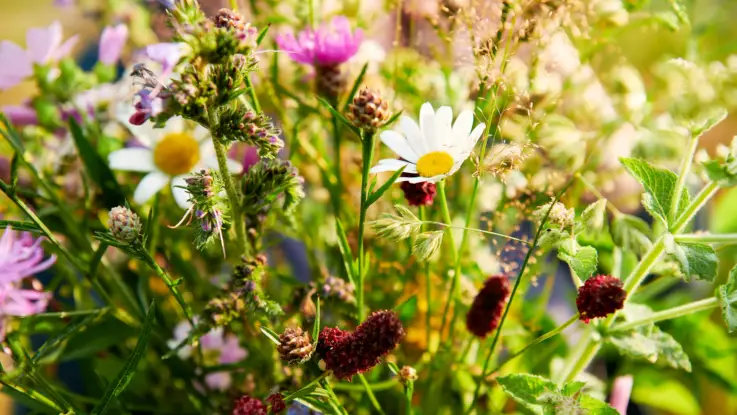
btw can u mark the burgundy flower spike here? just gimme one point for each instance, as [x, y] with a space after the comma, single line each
[600, 296]
[488, 306]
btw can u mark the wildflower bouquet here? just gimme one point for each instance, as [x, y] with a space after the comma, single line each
[441, 207]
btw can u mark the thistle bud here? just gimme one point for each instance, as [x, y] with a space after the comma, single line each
[407, 374]
[249, 406]
[364, 348]
[331, 81]
[488, 305]
[368, 110]
[294, 346]
[600, 296]
[124, 224]
[418, 194]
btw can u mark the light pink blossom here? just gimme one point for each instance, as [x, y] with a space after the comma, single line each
[165, 54]
[621, 390]
[331, 44]
[112, 41]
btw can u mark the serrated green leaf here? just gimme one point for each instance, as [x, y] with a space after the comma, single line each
[652, 344]
[527, 389]
[631, 233]
[592, 218]
[659, 187]
[97, 168]
[407, 310]
[727, 295]
[698, 260]
[594, 406]
[584, 262]
[115, 388]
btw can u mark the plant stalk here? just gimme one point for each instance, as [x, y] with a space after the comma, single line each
[369, 143]
[671, 313]
[456, 272]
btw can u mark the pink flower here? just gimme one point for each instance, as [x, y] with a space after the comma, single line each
[165, 54]
[44, 46]
[222, 348]
[330, 45]
[112, 40]
[20, 115]
[21, 257]
[621, 390]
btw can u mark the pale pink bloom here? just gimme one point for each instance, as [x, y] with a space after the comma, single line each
[44, 45]
[20, 115]
[112, 41]
[621, 390]
[165, 54]
[331, 44]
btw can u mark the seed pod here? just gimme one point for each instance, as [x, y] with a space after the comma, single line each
[368, 110]
[124, 224]
[295, 346]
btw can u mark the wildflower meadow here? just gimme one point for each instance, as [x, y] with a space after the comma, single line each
[369, 207]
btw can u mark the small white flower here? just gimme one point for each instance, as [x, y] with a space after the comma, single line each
[168, 155]
[433, 150]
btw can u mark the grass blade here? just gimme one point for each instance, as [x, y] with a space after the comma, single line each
[354, 89]
[384, 187]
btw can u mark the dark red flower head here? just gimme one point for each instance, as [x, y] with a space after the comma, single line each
[364, 348]
[600, 296]
[488, 306]
[249, 406]
[418, 194]
[329, 337]
[277, 403]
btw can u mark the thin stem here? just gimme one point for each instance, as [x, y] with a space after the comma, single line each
[333, 398]
[671, 313]
[537, 341]
[378, 386]
[683, 172]
[315, 381]
[456, 275]
[234, 5]
[337, 167]
[151, 262]
[430, 222]
[369, 141]
[699, 201]
[707, 238]
[370, 394]
[32, 394]
[252, 94]
[583, 362]
[642, 269]
[428, 288]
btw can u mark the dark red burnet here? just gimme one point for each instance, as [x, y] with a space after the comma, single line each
[277, 403]
[247, 405]
[600, 296]
[348, 354]
[418, 194]
[487, 308]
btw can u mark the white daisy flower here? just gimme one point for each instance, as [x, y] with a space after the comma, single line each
[168, 155]
[433, 150]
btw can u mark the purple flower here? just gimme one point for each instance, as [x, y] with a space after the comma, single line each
[64, 3]
[112, 40]
[330, 45]
[165, 54]
[222, 348]
[21, 257]
[44, 46]
[20, 115]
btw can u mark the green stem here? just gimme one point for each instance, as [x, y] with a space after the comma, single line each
[151, 262]
[32, 394]
[583, 361]
[370, 394]
[252, 94]
[456, 274]
[537, 341]
[409, 390]
[369, 143]
[466, 229]
[315, 381]
[333, 398]
[642, 269]
[378, 386]
[337, 167]
[707, 238]
[683, 172]
[699, 201]
[671, 313]
[234, 5]
[428, 288]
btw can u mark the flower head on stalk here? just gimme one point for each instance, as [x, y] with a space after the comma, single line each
[433, 150]
[600, 296]
[486, 310]
[21, 257]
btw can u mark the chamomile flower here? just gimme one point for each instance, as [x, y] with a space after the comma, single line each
[433, 150]
[168, 155]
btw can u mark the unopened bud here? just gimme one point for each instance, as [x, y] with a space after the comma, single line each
[124, 224]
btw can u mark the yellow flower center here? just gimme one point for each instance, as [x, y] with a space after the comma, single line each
[434, 163]
[177, 153]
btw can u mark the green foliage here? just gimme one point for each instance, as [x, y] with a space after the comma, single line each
[583, 261]
[694, 259]
[651, 344]
[631, 233]
[727, 295]
[660, 186]
[542, 396]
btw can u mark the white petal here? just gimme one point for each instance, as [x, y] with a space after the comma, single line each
[132, 159]
[413, 134]
[463, 125]
[393, 165]
[399, 145]
[201, 134]
[233, 166]
[149, 186]
[173, 125]
[421, 179]
[427, 126]
[443, 130]
[473, 138]
[180, 195]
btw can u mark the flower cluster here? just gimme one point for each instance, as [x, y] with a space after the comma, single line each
[248, 127]
[204, 189]
[599, 297]
[488, 305]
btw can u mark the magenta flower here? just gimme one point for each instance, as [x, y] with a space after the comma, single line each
[221, 348]
[165, 54]
[112, 40]
[20, 258]
[330, 45]
[20, 115]
[44, 46]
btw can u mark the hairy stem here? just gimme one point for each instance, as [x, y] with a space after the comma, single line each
[451, 242]
[707, 238]
[151, 262]
[683, 172]
[369, 143]
[699, 201]
[370, 394]
[671, 313]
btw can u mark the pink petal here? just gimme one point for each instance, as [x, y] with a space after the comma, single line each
[66, 49]
[43, 42]
[20, 115]
[112, 41]
[15, 67]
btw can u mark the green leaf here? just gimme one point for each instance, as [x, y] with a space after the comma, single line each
[66, 333]
[652, 344]
[659, 184]
[316, 325]
[11, 134]
[262, 34]
[727, 295]
[698, 260]
[680, 10]
[594, 406]
[374, 196]
[407, 310]
[340, 117]
[19, 225]
[97, 168]
[345, 252]
[271, 334]
[354, 88]
[631, 233]
[583, 263]
[527, 389]
[392, 119]
[661, 390]
[124, 377]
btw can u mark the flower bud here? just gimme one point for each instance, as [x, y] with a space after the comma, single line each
[124, 224]
[407, 374]
[600, 296]
[294, 346]
[368, 110]
[249, 406]
[418, 194]
[488, 305]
